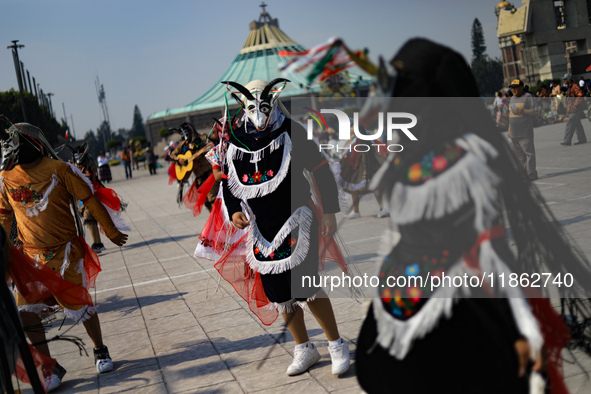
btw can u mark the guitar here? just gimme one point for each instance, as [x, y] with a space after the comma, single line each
[184, 171]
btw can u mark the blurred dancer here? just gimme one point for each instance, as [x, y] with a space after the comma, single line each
[39, 191]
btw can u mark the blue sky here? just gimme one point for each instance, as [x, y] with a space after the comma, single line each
[165, 54]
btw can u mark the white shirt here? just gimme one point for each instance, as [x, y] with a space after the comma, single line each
[102, 160]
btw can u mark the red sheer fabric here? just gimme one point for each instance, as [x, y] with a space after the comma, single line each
[217, 231]
[109, 198]
[195, 197]
[328, 248]
[233, 267]
[556, 336]
[36, 282]
[171, 174]
[44, 365]
[92, 265]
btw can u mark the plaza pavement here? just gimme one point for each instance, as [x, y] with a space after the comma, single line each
[173, 327]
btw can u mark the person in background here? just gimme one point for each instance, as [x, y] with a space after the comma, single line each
[574, 108]
[522, 109]
[133, 152]
[103, 167]
[126, 158]
[152, 159]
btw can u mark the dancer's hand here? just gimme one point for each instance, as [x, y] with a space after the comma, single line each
[522, 348]
[239, 220]
[328, 224]
[120, 239]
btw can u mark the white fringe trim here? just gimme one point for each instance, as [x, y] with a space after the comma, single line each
[115, 215]
[80, 269]
[224, 209]
[118, 221]
[478, 146]
[246, 192]
[41, 310]
[42, 205]
[80, 315]
[300, 219]
[66, 262]
[304, 304]
[81, 175]
[284, 307]
[397, 335]
[336, 168]
[468, 179]
[1, 184]
[292, 305]
[524, 318]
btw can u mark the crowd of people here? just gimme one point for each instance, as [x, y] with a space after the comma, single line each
[461, 200]
[551, 100]
[520, 111]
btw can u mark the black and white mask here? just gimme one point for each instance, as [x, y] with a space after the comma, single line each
[259, 101]
[10, 147]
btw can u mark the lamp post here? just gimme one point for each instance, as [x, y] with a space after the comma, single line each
[17, 67]
[49, 94]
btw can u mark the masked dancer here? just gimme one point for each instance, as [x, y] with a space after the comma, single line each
[40, 191]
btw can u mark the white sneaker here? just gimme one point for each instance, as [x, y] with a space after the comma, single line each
[383, 213]
[102, 360]
[353, 215]
[55, 380]
[340, 356]
[304, 356]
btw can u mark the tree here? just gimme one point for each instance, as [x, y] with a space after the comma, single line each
[137, 128]
[487, 72]
[111, 145]
[93, 146]
[478, 45]
[37, 115]
[104, 131]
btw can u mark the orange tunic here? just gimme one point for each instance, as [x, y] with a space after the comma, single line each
[40, 200]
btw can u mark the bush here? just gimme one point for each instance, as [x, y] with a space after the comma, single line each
[113, 144]
[114, 162]
[138, 141]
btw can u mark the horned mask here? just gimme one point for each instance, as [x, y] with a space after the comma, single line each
[260, 101]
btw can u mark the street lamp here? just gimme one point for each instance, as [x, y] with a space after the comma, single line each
[17, 67]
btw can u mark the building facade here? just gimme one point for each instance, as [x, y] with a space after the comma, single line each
[544, 39]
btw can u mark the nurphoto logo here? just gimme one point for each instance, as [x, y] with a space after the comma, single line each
[345, 126]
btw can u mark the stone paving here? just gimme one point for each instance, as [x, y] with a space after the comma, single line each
[173, 327]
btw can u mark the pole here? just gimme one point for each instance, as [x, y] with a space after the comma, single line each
[35, 86]
[30, 86]
[15, 47]
[49, 94]
[65, 117]
[73, 129]
[23, 77]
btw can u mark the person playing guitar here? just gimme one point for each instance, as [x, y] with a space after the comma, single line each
[189, 158]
